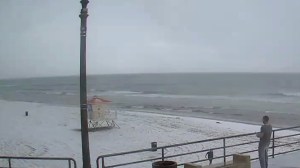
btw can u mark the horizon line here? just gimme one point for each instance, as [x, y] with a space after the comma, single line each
[148, 73]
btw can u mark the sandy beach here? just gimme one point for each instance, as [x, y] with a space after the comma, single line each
[54, 131]
[174, 71]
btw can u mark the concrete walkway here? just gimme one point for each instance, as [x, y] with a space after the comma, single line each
[289, 160]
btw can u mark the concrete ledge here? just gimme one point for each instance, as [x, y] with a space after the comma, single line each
[192, 165]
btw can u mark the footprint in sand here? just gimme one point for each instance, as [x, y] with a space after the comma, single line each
[23, 148]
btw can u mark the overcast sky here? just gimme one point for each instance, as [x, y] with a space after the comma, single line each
[41, 37]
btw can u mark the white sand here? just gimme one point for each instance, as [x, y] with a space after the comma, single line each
[53, 131]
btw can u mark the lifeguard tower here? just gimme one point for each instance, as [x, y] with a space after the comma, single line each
[99, 114]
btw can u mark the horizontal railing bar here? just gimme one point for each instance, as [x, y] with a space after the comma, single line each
[219, 157]
[197, 161]
[175, 145]
[129, 152]
[40, 158]
[232, 155]
[189, 143]
[287, 152]
[270, 155]
[286, 144]
[213, 139]
[255, 150]
[288, 128]
[241, 144]
[129, 163]
[257, 158]
[182, 154]
[240, 135]
[287, 136]
[35, 158]
[196, 142]
[241, 153]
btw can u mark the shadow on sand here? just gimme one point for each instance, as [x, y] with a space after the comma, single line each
[96, 129]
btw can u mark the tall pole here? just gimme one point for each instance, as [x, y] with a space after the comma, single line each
[83, 98]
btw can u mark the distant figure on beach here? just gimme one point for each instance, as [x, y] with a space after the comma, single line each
[210, 155]
[264, 142]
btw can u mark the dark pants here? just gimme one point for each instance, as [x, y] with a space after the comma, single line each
[210, 161]
[263, 155]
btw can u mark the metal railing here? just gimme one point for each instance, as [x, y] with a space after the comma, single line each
[223, 147]
[10, 158]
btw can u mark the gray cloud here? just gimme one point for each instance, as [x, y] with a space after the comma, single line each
[41, 38]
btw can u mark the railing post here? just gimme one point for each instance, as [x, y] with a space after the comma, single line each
[224, 150]
[162, 154]
[74, 162]
[9, 163]
[69, 161]
[273, 144]
[103, 166]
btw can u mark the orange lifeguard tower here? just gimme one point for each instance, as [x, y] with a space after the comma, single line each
[99, 114]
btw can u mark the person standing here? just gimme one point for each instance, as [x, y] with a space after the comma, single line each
[210, 155]
[264, 142]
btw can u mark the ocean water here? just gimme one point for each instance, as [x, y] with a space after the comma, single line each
[236, 96]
